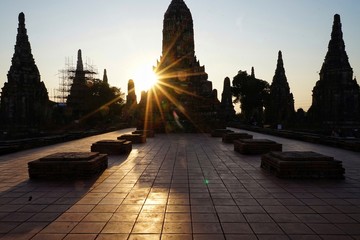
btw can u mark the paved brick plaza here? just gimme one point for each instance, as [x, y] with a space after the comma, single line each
[179, 186]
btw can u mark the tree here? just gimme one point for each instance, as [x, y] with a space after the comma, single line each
[252, 93]
[105, 102]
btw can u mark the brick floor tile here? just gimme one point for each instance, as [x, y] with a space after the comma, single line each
[144, 237]
[284, 218]
[295, 228]
[258, 218]
[227, 209]
[266, 228]
[81, 208]
[123, 217]
[312, 218]
[241, 228]
[153, 208]
[118, 227]
[176, 237]
[59, 227]
[147, 227]
[207, 228]
[135, 208]
[304, 237]
[325, 229]
[208, 237]
[178, 208]
[97, 217]
[89, 227]
[48, 237]
[80, 236]
[251, 209]
[180, 228]
[230, 217]
[177, 217]
[204, 217]
[272, 237]
[338, 218]
[350, 228]
[112, 236]
[71, 217]
[276, 209]
[107, 208]
[178, 201]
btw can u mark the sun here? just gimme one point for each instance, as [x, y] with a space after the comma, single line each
[145, 78]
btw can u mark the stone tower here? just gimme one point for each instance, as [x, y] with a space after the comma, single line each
[336, 95]
[185, 99]
[280, 109]
[226, 106]
[131, 96]
[79, 91]
[105, 78]
[24, 99]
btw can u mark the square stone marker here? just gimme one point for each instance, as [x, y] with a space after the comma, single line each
[256, 146]
[134, 138]
[296, 164]
[68, 165]
[112, 146]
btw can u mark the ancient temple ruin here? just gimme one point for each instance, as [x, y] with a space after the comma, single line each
[227, 110]
[79, 91]
[280, 108]
[24, 100]
[336, 96]
[183, 99]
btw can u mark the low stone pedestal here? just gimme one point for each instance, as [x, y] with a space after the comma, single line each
[112, 147]
[231, 137]
[302, 165]
[134, 138]
[256, 146]
[147, 133]
[68, 165]
[220, 132]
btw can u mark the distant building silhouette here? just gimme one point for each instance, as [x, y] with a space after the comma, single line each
[280, 107]
[24, 99]
[183, 99]
[226, 107]
[131, 109]
[131, 96]
[336, 96]
[79, 91]
[105, 78]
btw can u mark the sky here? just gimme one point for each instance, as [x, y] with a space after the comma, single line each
[125, 37]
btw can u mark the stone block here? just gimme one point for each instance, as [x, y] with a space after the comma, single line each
[296, 164]
[112, 147]
[256, 146]
[230, 137]
[134, 138]
[68, 165]
[147, 133]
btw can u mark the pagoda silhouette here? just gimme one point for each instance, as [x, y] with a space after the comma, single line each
[25, 104]
[183, 100]
[336, 96]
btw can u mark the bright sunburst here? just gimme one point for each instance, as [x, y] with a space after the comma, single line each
[145, 78]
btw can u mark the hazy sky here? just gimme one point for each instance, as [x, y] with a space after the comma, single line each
[230, 35]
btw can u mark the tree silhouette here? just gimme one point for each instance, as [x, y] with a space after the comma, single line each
[252, 93]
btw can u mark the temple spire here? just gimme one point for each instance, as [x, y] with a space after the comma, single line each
[336, 56]
[280, 71]
[79, 65]
[105, 78]
[252, 72]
